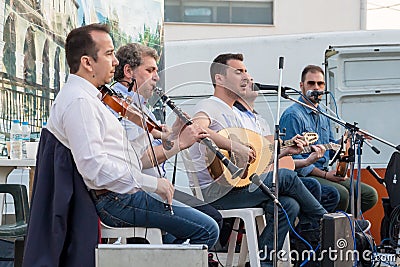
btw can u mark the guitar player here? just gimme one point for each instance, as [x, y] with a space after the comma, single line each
[327, 195]
[230, 80]
[298, 118]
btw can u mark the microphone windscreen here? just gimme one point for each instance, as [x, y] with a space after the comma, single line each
[255, 87]
[309, 93]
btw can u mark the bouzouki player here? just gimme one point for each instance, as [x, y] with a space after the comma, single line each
[230, 80]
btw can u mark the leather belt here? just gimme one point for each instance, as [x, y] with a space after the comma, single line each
[95, 194]
[100, 192]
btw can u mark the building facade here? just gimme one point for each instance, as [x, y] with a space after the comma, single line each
[209, 19]
[32, 62]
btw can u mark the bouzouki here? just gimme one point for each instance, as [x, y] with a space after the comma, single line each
[343, 164]
[262, 147]
[287, 162]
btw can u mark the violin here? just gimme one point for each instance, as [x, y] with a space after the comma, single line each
[126, 110]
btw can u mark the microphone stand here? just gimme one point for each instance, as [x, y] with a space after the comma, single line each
[275, 179]
[359, 144]
[353, 128]
[359, 141]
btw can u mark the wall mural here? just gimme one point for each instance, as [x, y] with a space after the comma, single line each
[32, 57]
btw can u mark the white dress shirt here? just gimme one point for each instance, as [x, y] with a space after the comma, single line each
[102, 153]
[133, 131]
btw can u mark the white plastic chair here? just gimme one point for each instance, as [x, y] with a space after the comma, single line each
[153, 235]
[252, 218]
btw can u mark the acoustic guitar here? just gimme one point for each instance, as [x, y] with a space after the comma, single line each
[263, 148]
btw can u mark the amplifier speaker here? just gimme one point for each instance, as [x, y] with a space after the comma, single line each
[337, 245]
[151, 255]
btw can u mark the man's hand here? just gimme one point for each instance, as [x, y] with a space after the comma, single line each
[163, 134]
[331, 176]
[191, 134]
[166, 132]
[242, 154]
[318, 152]
[299, 144]
[165, 190]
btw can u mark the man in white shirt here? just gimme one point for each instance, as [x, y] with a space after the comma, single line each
[136, 77]
[230, 80]
[110, 164]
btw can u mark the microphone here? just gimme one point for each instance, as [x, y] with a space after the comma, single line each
[255, 179]
[376, 150]
[268, 87]
[264, 87]
[315, 93]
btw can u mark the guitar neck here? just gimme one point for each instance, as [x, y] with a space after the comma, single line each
[308, 149]
[288, 143]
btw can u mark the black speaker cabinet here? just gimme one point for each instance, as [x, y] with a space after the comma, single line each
[337, 245]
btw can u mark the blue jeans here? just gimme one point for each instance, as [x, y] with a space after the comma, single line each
[293, 196]
[330, 197]
[146, 210]
[313, 186]
[315, 189]
[199, 205]
[327, 195]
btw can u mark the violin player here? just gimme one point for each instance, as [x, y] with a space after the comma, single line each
[110, 166]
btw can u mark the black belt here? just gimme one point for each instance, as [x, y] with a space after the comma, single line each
[95, 194]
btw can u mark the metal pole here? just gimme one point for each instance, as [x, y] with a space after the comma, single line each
[275, 179]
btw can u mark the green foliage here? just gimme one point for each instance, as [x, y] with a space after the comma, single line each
[119, 38]
[151, 39]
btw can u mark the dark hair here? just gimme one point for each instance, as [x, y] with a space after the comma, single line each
[219, 65]
[132, 54]
[80, 43]
[310, 68]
